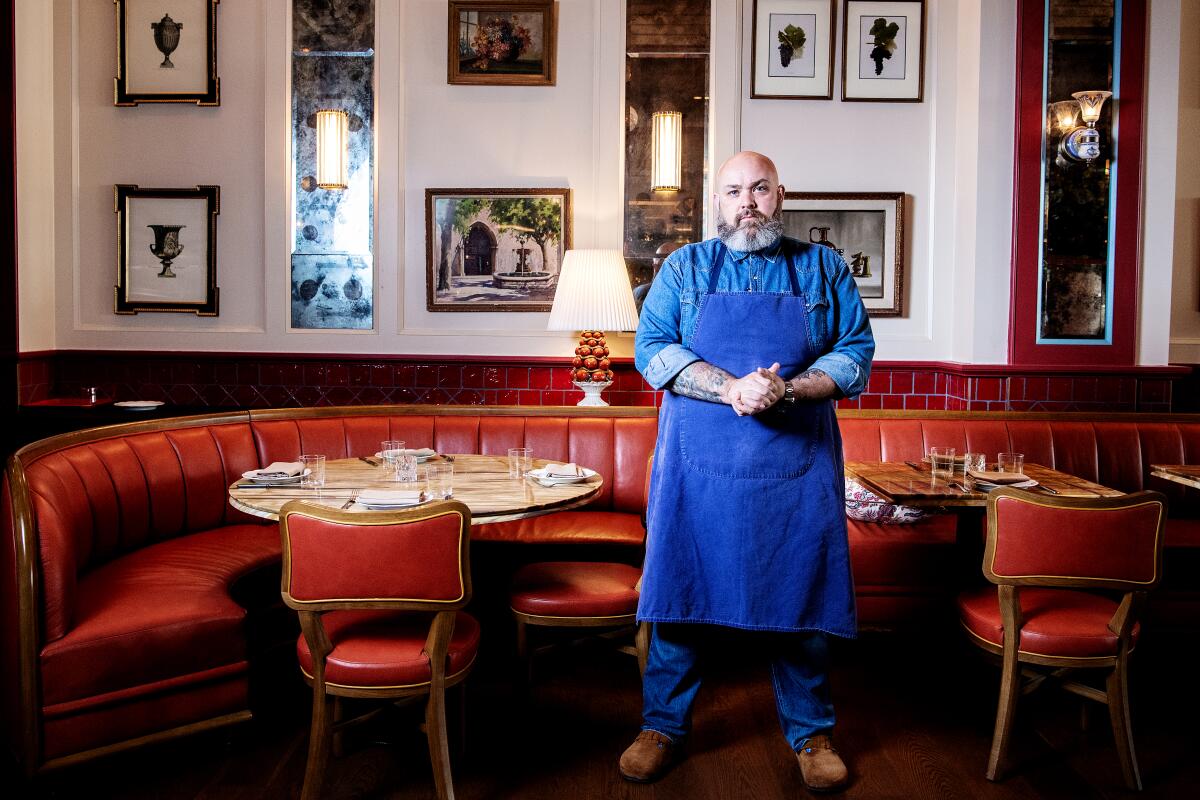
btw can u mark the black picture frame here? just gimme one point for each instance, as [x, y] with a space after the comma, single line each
[151, 280]
[139, 80]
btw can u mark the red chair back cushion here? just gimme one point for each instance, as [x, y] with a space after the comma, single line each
[1119, 544]
[417, 560]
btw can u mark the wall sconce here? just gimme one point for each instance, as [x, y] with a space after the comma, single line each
[333, 146]
[666, 151]
[593, 295]
[1082, 142]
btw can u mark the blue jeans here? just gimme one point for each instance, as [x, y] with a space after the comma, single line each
[799, 665]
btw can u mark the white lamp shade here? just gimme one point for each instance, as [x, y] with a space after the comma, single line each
[666, 151]
[1090, 104]
[593, 293]
[333, 146]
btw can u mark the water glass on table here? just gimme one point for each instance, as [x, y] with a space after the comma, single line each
[941, 461]
[312, 467]
[389, 451]
[1011, 462]
[520, 461]
[440, 480]
[974, 462]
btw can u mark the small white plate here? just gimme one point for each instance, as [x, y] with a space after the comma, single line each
[139, 405]
[540, 476]
[987, 487]
[422, 454]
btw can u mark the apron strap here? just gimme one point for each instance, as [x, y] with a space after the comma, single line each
[715, 272]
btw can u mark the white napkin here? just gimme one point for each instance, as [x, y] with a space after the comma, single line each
[280, 469]
[385, 497]
[420, 452]
[569, 470]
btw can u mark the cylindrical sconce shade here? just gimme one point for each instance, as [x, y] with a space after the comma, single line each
[666, 148]
[333, 147]
[1090, 104]
[593, 293]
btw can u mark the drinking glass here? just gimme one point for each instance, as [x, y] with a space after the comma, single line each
[520, 459]
[440, 478]
[389, 450]
[941, 459]
[1011, 462]
[974, 461]
[313, 466]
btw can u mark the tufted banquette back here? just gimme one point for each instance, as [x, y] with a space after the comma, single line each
[99, 494]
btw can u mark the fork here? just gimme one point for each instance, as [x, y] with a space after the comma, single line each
[351, 501]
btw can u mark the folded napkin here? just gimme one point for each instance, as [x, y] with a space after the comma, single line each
[280, 469]
[996, 477]
[420, 452]
[570, 470]
[385, 497]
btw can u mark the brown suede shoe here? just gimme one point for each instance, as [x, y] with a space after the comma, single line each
[821, 766]
[648, 758]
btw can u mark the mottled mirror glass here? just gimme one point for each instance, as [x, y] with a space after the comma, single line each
[333, 67]
[666, 69]
[1074, 297]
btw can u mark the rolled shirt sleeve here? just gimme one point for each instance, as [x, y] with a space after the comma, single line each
[658, 349]
[852, 345]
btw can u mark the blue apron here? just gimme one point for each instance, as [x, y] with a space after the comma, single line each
[746, 521]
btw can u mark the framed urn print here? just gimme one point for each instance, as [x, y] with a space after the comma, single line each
[883, 53]
[167, 249]
[792, 53]
[167, 52]
[501, 43]
[495, 249]
[866, 230]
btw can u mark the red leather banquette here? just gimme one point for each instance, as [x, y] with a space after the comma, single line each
[122, 549]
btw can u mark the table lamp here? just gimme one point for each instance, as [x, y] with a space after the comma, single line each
[593, 295]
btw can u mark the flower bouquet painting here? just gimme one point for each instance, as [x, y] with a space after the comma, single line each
[501, 43]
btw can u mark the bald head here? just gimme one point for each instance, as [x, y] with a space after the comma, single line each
[749, 202]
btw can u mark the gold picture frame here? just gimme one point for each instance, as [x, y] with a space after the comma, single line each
[500, 43]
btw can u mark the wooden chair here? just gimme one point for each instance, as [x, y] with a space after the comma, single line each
[580, 594]
[379, 597]
[1052, 560]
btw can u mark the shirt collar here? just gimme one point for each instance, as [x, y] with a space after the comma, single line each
[770, 254]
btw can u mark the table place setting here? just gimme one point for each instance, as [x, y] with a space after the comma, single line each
[277, 473]
[558, 474]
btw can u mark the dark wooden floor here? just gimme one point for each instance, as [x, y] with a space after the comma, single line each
[915, 721]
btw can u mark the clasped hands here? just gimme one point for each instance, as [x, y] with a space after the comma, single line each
[756, 392]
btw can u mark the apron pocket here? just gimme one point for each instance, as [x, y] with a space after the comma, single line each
[715, 441]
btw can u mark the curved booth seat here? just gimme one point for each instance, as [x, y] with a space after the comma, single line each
[122, 558]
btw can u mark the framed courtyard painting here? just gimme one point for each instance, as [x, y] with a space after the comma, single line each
[883, 52]
[501, 43]
[792, 52]
[495, 249]
[167, 249]
[167, 52]
[865, 229]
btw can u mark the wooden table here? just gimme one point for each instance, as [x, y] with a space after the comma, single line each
[912, 484]
[1187, 474]
[481, 482]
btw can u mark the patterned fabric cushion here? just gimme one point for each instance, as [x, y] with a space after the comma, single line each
[866, 506]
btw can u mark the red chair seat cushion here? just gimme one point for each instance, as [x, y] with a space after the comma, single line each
[575, 589]
[160, 612]
[566, 527]
[385, 649]
[1062, 623]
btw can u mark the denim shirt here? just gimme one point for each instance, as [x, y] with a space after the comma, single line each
[838, 326]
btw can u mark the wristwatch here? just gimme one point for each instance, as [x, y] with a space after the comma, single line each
[789, 393]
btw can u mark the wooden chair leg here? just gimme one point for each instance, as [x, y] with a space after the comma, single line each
[318, 744]
[1010, 690]
[641, 640]
[439, 748]
[1118, 712]
[339, 713]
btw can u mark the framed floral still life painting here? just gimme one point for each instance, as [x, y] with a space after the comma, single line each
[883, 53]
[792, 55]
[167, 249]
[865, 229]
[495, 249]
[167, 52]
[501, 43]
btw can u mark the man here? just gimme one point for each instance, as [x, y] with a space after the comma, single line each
[746, 527]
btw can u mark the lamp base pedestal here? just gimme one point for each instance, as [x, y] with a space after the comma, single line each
[591, 392]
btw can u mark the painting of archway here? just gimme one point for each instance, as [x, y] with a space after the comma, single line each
[479, 251]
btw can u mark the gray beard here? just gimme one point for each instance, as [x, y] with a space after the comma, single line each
[764, 235]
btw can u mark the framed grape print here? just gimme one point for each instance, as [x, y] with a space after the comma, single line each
[792, 53]
[883, 52]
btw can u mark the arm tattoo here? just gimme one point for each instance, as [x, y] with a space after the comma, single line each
[815, 384]
[702, 381]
